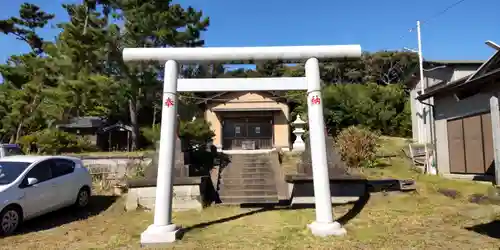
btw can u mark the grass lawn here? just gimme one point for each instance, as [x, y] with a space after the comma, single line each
[420, 220]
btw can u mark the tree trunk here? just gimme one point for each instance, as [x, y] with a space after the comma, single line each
[154, 116]
[132, 105]
[18, 131]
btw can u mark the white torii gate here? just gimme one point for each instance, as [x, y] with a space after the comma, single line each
[163, 230]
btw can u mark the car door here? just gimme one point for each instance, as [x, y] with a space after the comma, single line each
[41, 197]
[64, 179]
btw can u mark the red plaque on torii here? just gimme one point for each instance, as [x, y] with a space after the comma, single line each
[169, 102]
[316, 100]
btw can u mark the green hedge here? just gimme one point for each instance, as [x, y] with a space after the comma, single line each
[55, 141]
[385, 109]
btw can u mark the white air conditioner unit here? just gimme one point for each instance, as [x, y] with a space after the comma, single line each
[248, 145]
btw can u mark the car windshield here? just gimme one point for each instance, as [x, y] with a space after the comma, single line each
[9, 171]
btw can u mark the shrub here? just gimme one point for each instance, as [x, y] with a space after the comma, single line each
[196, 132]
[379, 108]
[152, 134]
[193, 132]
[135, 170]
[357, 146]
[54, 141]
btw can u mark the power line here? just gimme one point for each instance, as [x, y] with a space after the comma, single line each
[443, 11]
[436, 15]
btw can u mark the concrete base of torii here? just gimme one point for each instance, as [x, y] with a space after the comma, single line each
[157, 235]
[326, 229]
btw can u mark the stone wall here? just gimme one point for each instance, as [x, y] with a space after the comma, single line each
[188, 193]
[341, 192]
[185, 197]
[115, 166]
[345, 185]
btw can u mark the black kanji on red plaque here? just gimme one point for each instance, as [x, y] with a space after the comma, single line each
[315, 100]
[169, 103]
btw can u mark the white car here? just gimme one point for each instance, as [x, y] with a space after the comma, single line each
[34, 185]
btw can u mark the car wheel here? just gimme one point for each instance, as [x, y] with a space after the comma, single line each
[83, 198]
[10, 219]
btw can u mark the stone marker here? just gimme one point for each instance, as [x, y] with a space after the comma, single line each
[151, 171]
[132, 202]
[336, 167]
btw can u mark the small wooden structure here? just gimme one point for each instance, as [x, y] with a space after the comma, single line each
[116, 137]
[87, 126]
[416, 152]
[100, 132]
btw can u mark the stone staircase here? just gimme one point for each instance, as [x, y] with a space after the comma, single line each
[248, 179]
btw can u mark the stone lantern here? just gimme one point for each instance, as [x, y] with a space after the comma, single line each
[298, 144]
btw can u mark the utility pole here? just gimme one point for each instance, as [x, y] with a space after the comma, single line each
[423, 86]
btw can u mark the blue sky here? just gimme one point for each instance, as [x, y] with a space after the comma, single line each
[459, 34]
